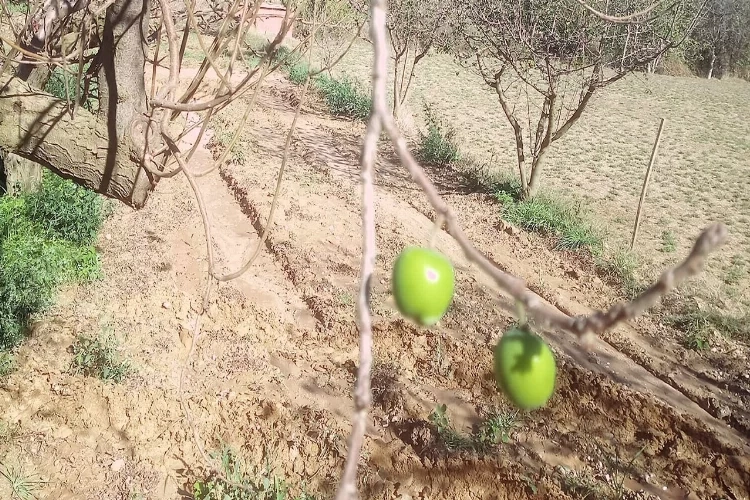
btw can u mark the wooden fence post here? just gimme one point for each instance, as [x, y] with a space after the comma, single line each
[645, 183]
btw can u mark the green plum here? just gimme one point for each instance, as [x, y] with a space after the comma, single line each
[525, 368]
[423, 282]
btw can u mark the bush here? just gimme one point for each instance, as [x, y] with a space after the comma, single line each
[69, 211]
[344, 97]
[438, 146]
[298, 73]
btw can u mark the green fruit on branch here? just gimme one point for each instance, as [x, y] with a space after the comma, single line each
[423, 281]
[525, 368]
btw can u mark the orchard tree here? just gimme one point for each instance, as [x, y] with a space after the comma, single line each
[721, 40]
[545, 60]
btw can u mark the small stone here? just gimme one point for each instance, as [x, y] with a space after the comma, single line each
[107, 237]
[117, 465]
[511, 230]
[166, 305]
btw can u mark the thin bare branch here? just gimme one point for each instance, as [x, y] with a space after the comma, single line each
[633, 18]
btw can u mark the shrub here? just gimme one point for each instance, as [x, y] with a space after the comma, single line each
[298, 73]
[67, 210]
[438, 146]
[344, 97]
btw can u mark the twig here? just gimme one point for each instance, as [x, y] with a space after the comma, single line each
[362, 389]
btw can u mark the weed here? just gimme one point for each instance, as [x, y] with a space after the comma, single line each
[32, 266]
[668, 243]
[552, 216]
[67, 210]
[7, 363]
[8, 432]
[344, 97]
[345, 299]
[735, 272]
[238, 485]
[57, 82]
[438, 146]
[620, 266]
[578, 485]
[99, 357]
[21, 486]
[451, 438]
[495, 428]
[698, 324]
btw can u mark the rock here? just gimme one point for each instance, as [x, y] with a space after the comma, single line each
[166, 305]
[117, 465]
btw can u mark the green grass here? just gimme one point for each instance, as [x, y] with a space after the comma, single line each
[242, 484]
[45, 241]
[698, 325]
[668, 243]
[344, 97]
[552, 216]
[439, 145]
[495, 428]
[99, 357]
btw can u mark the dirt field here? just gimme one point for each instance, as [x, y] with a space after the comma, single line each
[699, 177]
[274, 367]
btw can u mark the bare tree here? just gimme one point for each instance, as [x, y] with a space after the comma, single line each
[414, 27]
[546, 60]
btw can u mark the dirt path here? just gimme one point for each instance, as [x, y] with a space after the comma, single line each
[274, 369]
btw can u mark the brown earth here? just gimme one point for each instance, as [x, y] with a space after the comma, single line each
[274, 366]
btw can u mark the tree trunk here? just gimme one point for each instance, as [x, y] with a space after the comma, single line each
[18, 175]
[102, 153]
[712, 64]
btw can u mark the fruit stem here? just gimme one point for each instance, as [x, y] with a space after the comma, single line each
[435, 228]
[521, 312]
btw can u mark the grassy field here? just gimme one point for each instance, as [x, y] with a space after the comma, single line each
[700, 175]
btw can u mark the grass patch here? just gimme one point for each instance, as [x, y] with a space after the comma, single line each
[438, 146]
[620, 267]
[99, 357]
[344, 97]
[550, 215]
[243, 484]
[698, 325]
[59, 79]
[7, 363]
[668, 243]
[496, 427]
[45, 241]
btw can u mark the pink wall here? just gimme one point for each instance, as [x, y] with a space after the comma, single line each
[270, 18]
